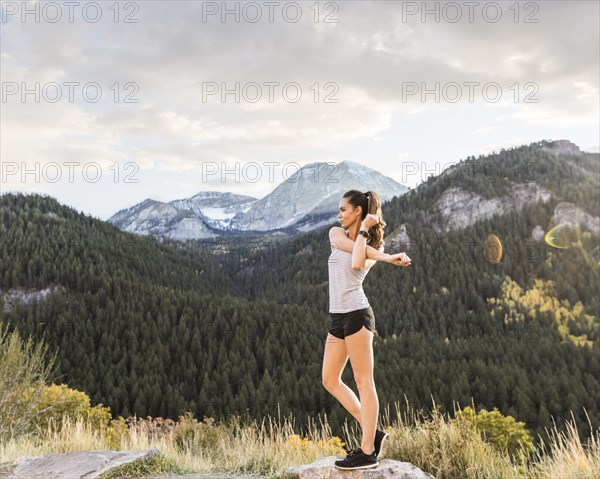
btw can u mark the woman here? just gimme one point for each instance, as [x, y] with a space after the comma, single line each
[356, 246]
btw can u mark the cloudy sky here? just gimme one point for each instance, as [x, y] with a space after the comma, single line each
[106, 104]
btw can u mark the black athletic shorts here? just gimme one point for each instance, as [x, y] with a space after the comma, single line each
[345, 324]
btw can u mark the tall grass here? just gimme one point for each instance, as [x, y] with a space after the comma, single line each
[566, 456]
[431, 441]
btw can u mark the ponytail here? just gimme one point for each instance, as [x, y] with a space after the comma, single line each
[370, 202]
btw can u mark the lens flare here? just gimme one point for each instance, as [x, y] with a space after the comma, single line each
[492, 249]
[563, 236]
[567, 236]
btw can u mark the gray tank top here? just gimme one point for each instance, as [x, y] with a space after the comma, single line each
[345, 284]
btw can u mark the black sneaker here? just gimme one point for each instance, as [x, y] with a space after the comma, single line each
[357, 460]
[381, 438]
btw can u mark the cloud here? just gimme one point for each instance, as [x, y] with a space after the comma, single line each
[365, 61]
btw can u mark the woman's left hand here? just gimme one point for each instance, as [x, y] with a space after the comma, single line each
[370, 221]
[399, 259]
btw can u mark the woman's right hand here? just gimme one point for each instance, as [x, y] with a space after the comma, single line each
[399, 259]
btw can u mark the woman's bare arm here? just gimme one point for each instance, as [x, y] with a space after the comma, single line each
[339, 240]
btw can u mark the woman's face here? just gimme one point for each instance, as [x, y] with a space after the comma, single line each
[347, 214]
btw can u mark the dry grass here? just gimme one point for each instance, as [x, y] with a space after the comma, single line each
[566, 456]
[433, 443]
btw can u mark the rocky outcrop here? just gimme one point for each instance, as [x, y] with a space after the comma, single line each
[398, 240]
[562, 147]
[21, 295]
[74, 465]
[324, 468]
[538, 233]
[458, 208]
[566, 213]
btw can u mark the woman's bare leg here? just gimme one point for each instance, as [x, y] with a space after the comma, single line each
[360, 350]
[334, 361]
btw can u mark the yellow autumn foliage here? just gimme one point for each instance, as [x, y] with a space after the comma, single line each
[57, 401]
[540, 299]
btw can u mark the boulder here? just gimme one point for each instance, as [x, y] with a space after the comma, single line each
[74, 465]
[324, 468]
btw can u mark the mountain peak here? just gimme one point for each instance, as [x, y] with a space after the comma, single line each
[352, 165]
[307, 200]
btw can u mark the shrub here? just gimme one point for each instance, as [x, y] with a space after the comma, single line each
[23, 375]
[56, 401]
[507, 436]
[199, 437]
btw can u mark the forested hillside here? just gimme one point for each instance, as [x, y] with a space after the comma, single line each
[154, 327]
